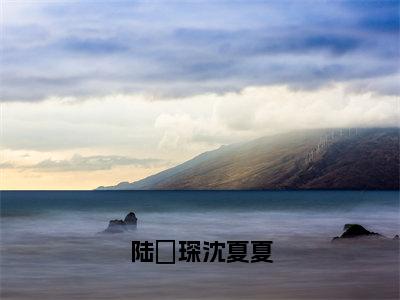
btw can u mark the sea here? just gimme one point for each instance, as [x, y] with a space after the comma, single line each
[53, 245]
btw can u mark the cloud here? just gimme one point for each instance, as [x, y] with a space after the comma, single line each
[93, 46]
[94, 163]
[7, 165]
[379, 16]
[134, 126]
[87, 163]
[260, 111]
[82, 49]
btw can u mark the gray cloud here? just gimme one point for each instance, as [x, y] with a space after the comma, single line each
[88, 163]
[181, 49]
[7, 165]
[94, 163]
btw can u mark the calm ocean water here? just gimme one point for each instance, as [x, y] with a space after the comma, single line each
[51, 247]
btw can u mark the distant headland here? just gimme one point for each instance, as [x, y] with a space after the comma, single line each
[344, 158]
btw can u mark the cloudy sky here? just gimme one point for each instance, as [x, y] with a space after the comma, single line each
[98, 92]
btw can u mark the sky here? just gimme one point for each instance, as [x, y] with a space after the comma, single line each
[98, 92]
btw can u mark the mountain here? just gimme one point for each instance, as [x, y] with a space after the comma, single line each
[355, 158]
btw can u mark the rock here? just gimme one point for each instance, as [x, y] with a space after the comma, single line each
[119, 226]
[347, 226]
[396, 237]
[116, 226]
[356, 231]
[131, 219]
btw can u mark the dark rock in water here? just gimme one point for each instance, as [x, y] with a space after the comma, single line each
[119, 226]
[357, 231]
[347, 226]
[115, 226]
[131, 219]
[396, 237]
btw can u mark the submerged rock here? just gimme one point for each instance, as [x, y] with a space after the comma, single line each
[119, 226]
[357, 231]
